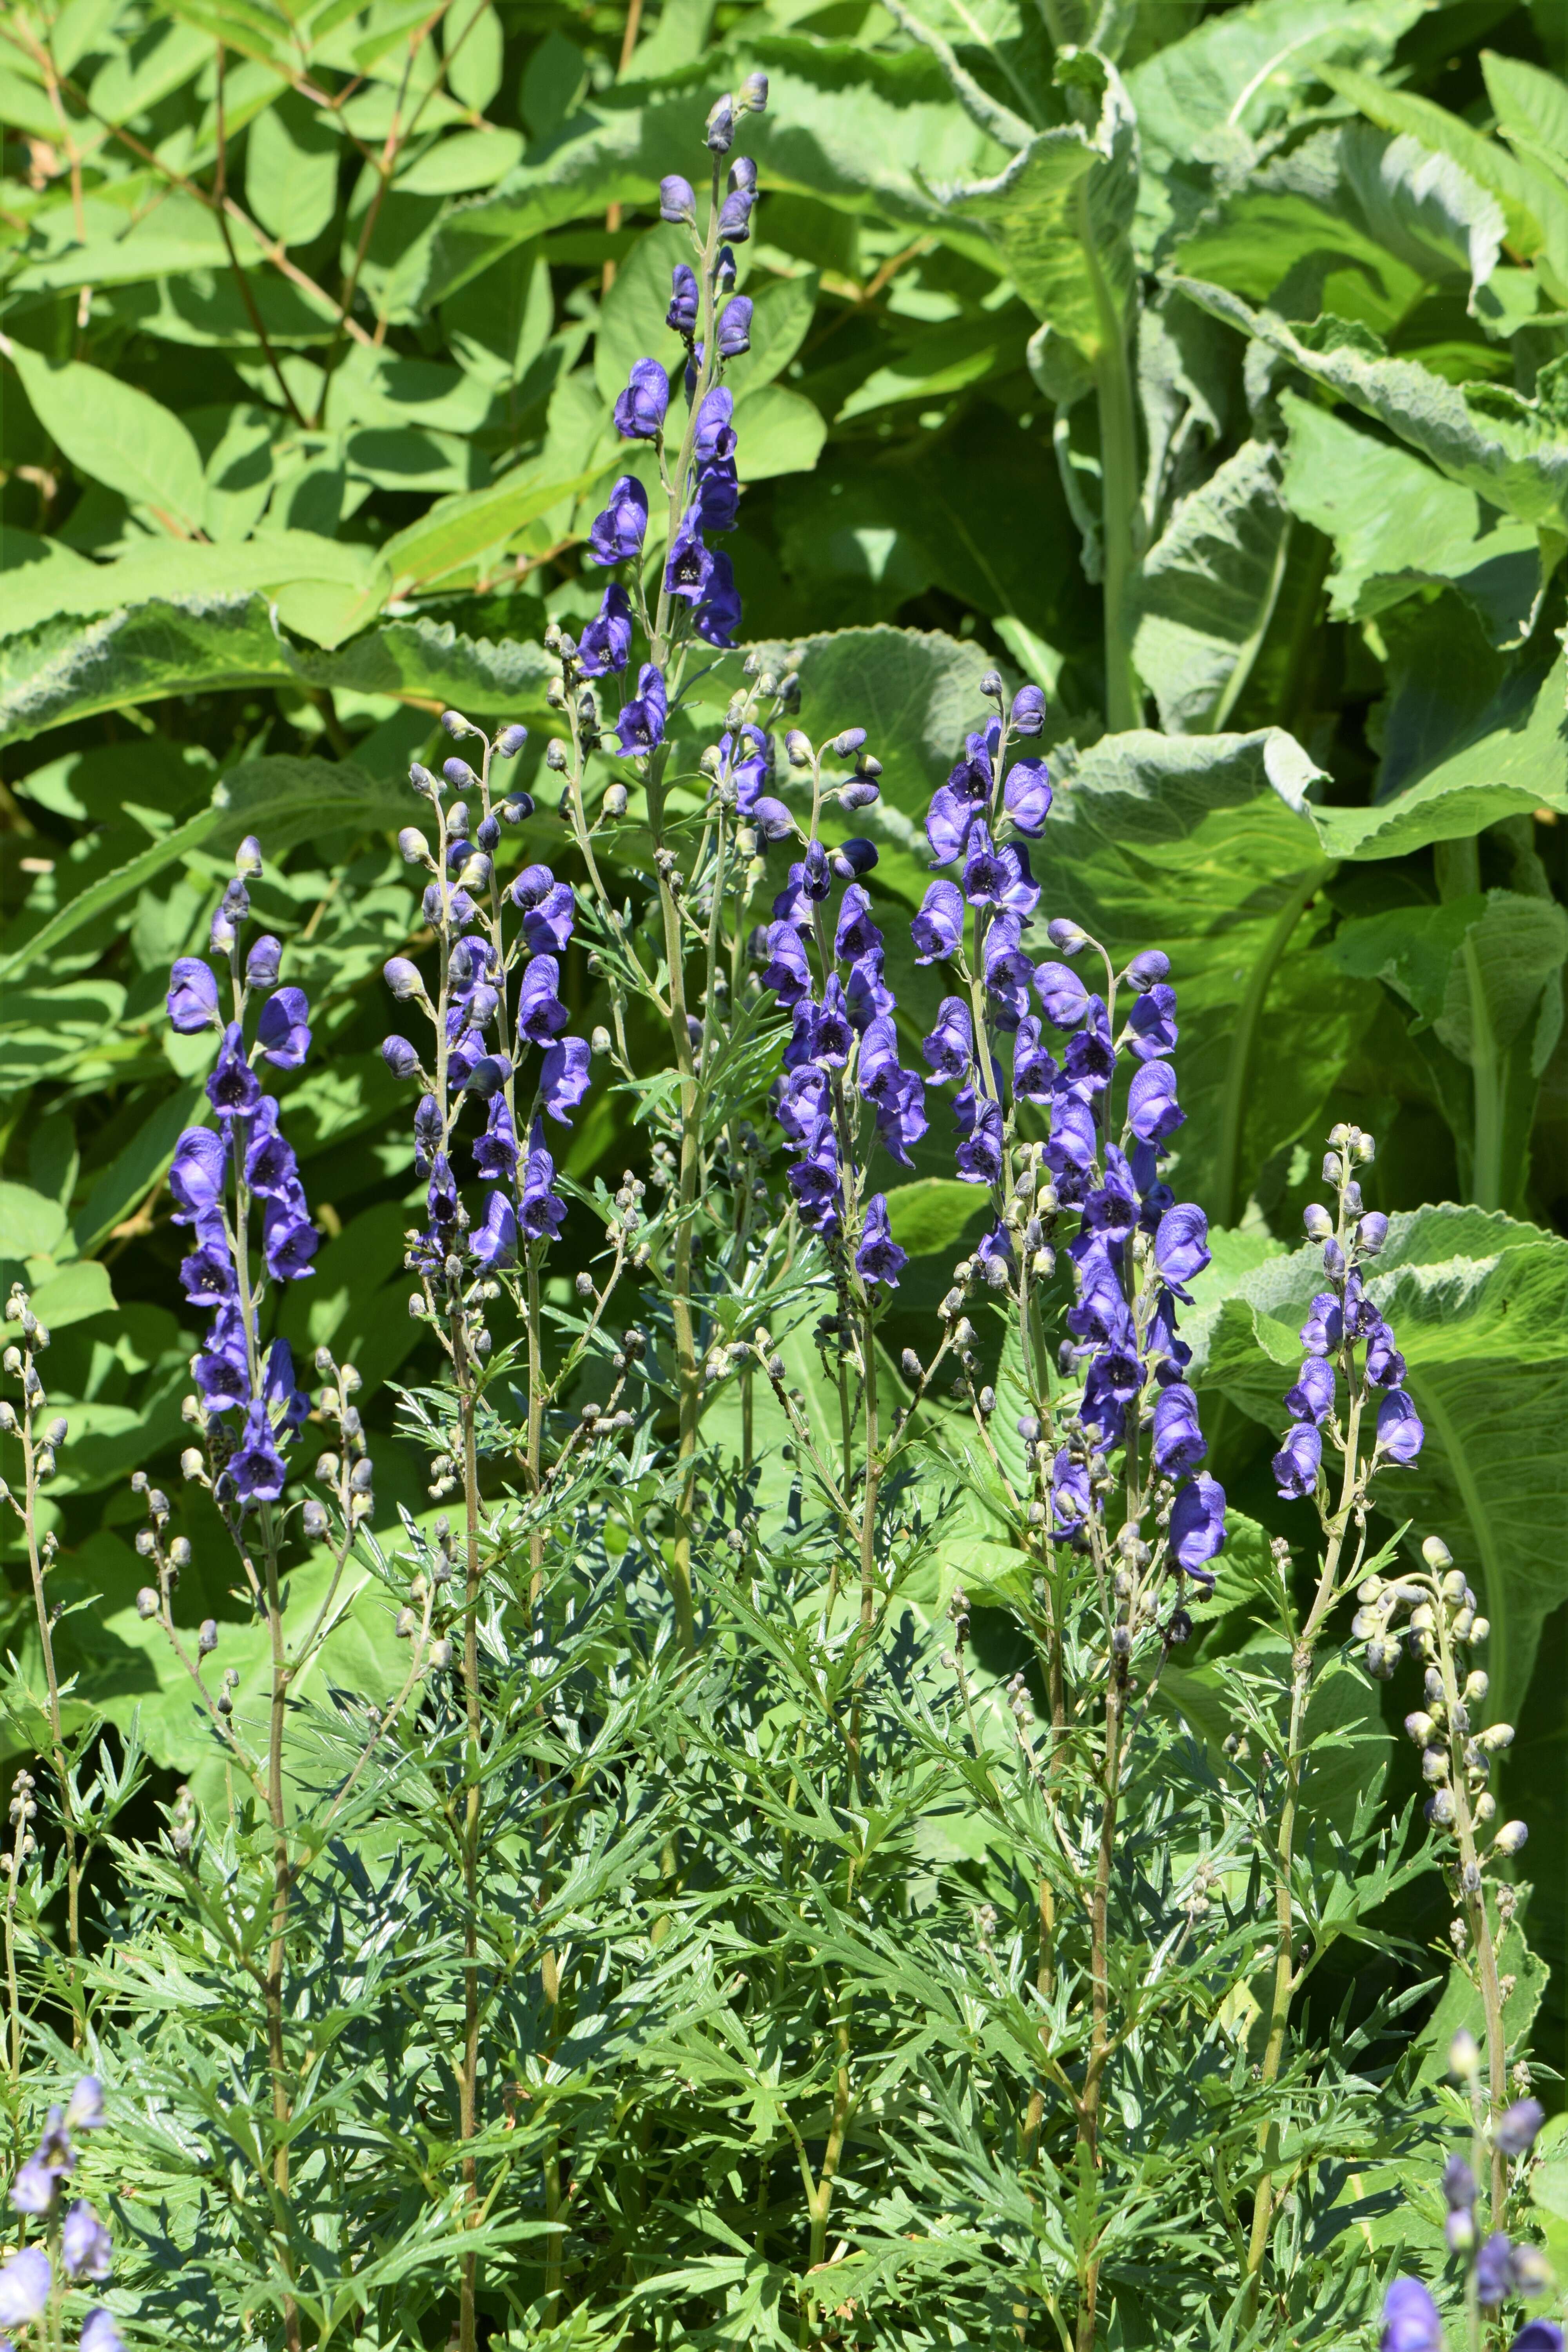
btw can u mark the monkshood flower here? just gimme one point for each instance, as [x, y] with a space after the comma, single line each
[238, 1185]
[1348, 1344]
[25, 2284]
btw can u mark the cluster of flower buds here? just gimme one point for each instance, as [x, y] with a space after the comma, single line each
[345, 1470]
[222, 1178]
[1346, 1338]
[77, 2251]
[424, 1618]
[1442, 1627]
[42, 1440]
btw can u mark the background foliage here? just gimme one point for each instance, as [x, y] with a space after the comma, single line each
[1209, 366]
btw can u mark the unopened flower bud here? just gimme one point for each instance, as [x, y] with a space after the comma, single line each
[190, 1463]
[313, 1519]
[1318, 1221]
[441, 1654]
[207, 1640]
[247, 859]
[797, 748]
[1511, 1838]
[754, 93]
[1436, 1555]
[147, 1603]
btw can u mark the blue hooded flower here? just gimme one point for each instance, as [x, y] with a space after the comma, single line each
[1152, 1110]
[1410, 2320]
[1297, 1464]
[542, 1214]
[815, 1179]
[618, 534]
[234, 1086]
[283, 1031]
[548, 923]
[937, 929]
[878, 1257]
[607, 642]
[540, 1015]
[956, 807]
[494, 1239]
[1153, 1023]
[714, 435]
[197, 1174]
[1179, 1441]
[735, 328]
[193, 996]
[1400, 1434]
[1062, 993]
[641, 409]
[684, 292]
[1323, 1331]
[1181, 1245]
[564, 1079]
[856, 933]
[257, 1470]
[1312, 1397]
[1072, 1500]
[787, 972]
[640, 725]
[950, 1049]
[1035, 1072]
[1027, 794]
[1197, 1526]
[495, 1152]
[718, 614]
[978, 1158]
[288, 1240]
[902, 1114]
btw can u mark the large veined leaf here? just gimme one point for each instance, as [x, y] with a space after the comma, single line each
[174, 571]
[60, 672]
[844, 126]
[1234, 76]
[1397, 524]
[1534, 203]
[1509, 759]
[1204, 846]
[1479, 1306]
[1207, 591]
[1423, 206]
[1510, 450]
[1485, 976]
[117, 435]
[1061, 215]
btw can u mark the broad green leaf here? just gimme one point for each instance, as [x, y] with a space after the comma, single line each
[172, 571]
[1479, 1307]
[31, 1224]
[1204, 846]
[1061, 217]
[148, 71]
[472, 44]
[1534, 206]
[117, 435]
[1423, 206]
[499, 324]
[108, 891]
[1512, 451]
[1207, 589]
[291, 159]
[940, 359]
[1529, 104]
[931, 1215]
[1399, 524]
[465, 162]
[1292, 236]
[60, 672]
[283, 800]
[456, 529]
[776, 432]
[1485, 975]
[1511, 759]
